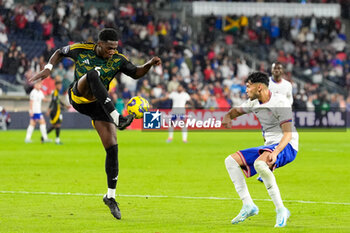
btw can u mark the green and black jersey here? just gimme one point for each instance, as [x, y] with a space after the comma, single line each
[86, 59]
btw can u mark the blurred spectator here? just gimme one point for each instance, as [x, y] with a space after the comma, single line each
[1, 60]
[203, 63]
[5, 119]
[348, 104]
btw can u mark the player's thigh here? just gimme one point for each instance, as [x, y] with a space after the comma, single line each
[238, 159]
[83, 87]
[32, 122]
[42, 121]
[107, 132]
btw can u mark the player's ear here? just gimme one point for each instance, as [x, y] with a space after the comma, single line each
[259, 87]
[100, 43]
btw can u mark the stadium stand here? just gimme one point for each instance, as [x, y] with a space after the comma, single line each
[210, 62]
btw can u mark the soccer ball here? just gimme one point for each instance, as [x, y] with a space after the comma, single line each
[137, 106]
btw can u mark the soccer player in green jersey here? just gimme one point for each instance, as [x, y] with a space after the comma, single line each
[55, 112]
[96, 64]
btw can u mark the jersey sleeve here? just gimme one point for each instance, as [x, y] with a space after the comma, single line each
[31, 95]
[127, 67]
[188, 97]
[246, 106]
[172, 95]
[72, 51]
[290, 94]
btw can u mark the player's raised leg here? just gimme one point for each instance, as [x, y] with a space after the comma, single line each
[90, 86]
[107, 133]
[271, 185]
[233, 165]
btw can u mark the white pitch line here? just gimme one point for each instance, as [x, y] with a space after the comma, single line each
[163, 196]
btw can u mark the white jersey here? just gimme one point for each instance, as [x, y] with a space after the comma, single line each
[36, 96]
[179, 101]
[272, 115]
[283, 87]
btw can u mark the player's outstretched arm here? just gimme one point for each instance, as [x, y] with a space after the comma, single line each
[166, 97]
[142, 70]
[232, 114]
[54, 59]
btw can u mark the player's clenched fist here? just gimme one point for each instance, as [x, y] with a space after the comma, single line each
[227, 121]
[156, 61]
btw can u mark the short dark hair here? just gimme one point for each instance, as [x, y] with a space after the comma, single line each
[108, 34]
[258, 77]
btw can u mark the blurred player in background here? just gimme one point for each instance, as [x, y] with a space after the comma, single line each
[5, 119]
[55, 111]
[96, 64]
[35, 98]
[281, 145]
[277, 84]
[178, 111]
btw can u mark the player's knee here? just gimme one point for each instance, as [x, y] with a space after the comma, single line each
[92, 75]
[230, 162]
[260, 166]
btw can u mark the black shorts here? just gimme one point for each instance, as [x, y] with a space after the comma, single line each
[93, 109]
[55, 117]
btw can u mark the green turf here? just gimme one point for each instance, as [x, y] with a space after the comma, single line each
[150, 167]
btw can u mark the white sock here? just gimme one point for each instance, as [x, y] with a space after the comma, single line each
[184, 134]
[171, 132]
[270, 182]
[43, 131]
[115, 117]
[236, 175]
[30, 130]
[111, 193]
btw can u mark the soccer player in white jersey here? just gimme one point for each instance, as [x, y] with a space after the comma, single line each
[35, 98]
[281, 145]
[179, 97]
[278, 84]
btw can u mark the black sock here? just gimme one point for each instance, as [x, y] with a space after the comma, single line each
[99, 91]
[112, 166]
[58, 132]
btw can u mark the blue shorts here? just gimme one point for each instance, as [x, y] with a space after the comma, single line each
[249, 156]
[37, 116]
[177, 116]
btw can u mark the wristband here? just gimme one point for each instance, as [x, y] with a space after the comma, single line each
[48, 66]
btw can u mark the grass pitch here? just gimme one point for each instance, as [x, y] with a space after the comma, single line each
[164, 187]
